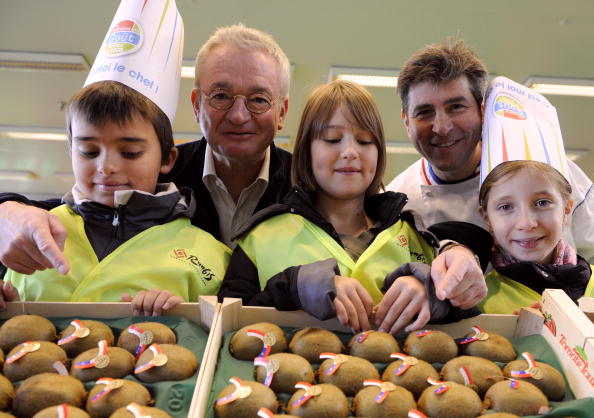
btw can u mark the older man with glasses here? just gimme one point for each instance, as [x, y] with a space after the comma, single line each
[240, 100]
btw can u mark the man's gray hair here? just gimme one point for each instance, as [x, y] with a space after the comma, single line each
[246, 39]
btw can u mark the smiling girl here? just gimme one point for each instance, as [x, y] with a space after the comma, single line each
[526, 205]
[334, 246]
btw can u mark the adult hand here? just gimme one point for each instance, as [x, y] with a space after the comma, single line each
[8, 293]
[458, 277]
[151, 302]
[403, 300]
[31, 239]
[352, 303]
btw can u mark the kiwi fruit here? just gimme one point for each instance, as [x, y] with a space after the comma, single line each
[153, 332]
[121, 363]
[54, 412]
[40, 358]
[414, 378]
[311, 342]
[97, 331]
[122, 393]
[145, 411]
[458, 401]
[290, 369]
[550, 380]
[6, 415]
[374, 346]
[491, 346]
[1, 358]
[6, 393]
[396, 404]
[327, 401]
[47, 389]
[483, 372]
[247, 347]
[257, 396]
[350, 373]
[431, 346]
[526, 399]
[180, 363]
[21, 328]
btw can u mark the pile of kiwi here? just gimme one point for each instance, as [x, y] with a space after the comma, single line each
[430, 372]
[38, 359]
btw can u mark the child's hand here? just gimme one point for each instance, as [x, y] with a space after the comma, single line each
[352, 303]
[152, 302]
[8, 293]
[405, 298]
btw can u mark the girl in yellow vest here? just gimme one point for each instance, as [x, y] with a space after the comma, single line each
[127, 234]
[526, 205]
[336, 246]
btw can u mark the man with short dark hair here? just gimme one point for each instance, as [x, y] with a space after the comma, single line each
[442, 87]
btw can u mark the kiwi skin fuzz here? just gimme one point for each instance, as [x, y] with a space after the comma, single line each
[97, 331]
[260, 396]
[397, 403]
[459, 401]
[52, 412]
[527, 399]
[6, 393]
[551, 384]
[47, 389]
[39, 361]
[331, 402]
[181, 364]
[130, 391]
[21, 328]
[292, 369]
[246, 347]
[311, 342]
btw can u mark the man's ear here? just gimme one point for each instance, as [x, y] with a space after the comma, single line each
[168, 164]
[282, 115]
[405, 119]
[482, 113]
[195, 98]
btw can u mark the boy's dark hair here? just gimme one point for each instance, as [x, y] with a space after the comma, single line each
[110, 101]
[443, 62]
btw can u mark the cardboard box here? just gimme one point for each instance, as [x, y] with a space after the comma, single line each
[205, 314]
[573, 330]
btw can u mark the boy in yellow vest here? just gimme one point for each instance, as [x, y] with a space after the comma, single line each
[127, 234]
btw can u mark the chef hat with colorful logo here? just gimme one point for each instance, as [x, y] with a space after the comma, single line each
[143, 49]
[520, 124]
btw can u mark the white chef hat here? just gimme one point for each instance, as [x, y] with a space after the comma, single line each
[143, 49]
[520, 124]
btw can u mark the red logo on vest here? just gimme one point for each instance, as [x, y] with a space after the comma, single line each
[180, 253]
[403, 240]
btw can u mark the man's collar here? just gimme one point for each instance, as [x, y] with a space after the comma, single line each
[210, 170]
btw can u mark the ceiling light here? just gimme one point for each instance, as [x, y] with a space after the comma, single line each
[42, 61]
[33, 133]
[21, 175]
[400, 147]
[562, 86]
[575, 154]
[187, 68]
[373, 77]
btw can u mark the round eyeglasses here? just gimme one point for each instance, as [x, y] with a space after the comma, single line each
[223, 100]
